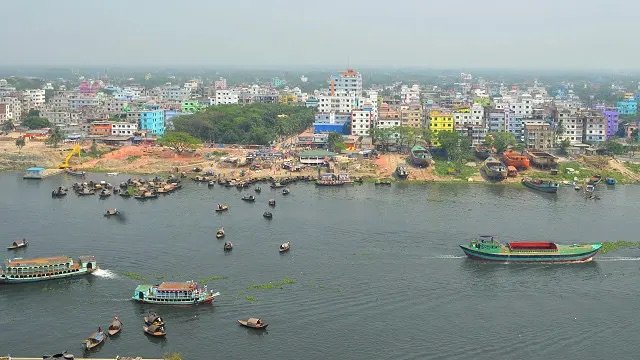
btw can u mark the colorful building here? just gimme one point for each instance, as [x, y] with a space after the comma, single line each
[627, 107]
[191, 106]
[613, 118]
[151, 119]
[287, 98]
[100, 128]
[440, 121]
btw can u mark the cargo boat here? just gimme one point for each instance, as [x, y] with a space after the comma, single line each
[420, 156]
[486, 248]
[174, 293]
[48, 268]
[541, 185]
[494, 169]
[401, 172]
[481, 152]
[512, 158]
[542, 159]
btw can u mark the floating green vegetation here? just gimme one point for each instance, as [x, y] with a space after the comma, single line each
[134, 276]
[173, 356]
[211, 278]
[250, 298]
[273, 284]
[609, 246]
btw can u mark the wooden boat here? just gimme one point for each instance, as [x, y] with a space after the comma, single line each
[18, 244]
[220, 233]
[420, 156]
[211, 183]
[153, 318]
[253, 323]
[258, 189]
[75, 172]
[267, 214]
[111, 212]
[59, 192]
[401, 172]
[222, 207]
[272, 202]
[94, 340]
[382, 182]
[115, 326]
[285, 247]
[594, 180]
[154, 330]
[610, 181]
[285, 191]
[85, 192]
[512, 158]
[104, 193]
[228, 246]
[494, 169]
[60, 356]
[546, 186]
[249, 198]
[276, 185]
[486, 248]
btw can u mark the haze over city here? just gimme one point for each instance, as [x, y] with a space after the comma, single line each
[545, 34]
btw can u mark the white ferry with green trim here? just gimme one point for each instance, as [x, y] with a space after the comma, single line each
[20, 270]
[174, 293]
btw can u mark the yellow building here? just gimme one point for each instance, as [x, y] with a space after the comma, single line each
[287, 98]
[439, 121]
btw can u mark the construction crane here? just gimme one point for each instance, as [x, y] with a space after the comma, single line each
[75, 151]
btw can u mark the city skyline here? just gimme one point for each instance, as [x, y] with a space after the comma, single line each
[573, 35]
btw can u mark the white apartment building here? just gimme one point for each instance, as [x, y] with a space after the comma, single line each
[174, 92]
[361, 121]
[226, 97]
[13, 109]
[477, 114]
[191, 86]
[461, 117]
[349, 81]
[78, 102]
[410, 94]
[524, 106]
[123, 129]
[571, 126]
[594, 127]
[342, 103]
[35, 97]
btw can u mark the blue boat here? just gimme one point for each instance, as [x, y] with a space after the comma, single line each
[33, 173]
[610, 181]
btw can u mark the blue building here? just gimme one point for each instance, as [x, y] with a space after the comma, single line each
[332, 122]
[152, 120]
[627, 107]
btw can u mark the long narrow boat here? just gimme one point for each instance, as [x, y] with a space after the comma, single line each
[38, 269]
[115, 326]
[594, 180]
[18, 244]
[174, 293]
[486, 248]
[420, 156]
[546, 186]
[494, 169]
[94, 340]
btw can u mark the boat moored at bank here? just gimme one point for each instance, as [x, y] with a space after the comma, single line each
[487, 248]
[174, 293]
[420, 156]
[21, 270]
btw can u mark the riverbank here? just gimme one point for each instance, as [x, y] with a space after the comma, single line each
[229, 163]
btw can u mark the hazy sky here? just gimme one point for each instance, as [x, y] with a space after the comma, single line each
[540, 34]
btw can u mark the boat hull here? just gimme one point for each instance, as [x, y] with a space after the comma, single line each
[493, 174]
[7, 280]
[545, 189]
[530, 258]
[208, 300]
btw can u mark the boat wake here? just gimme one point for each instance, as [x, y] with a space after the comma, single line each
[105, 273]
[449, 257]
[618, 258]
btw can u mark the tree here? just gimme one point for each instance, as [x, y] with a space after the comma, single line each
[456, 145]
[614, 147]
[35, 122]
[179, 141]
[8, 126]
[55, 138]
[500, 140]
[564, 145]
[427, 135]
[20, 142]
[335, 142]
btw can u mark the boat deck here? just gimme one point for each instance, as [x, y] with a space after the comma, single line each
[39, 261]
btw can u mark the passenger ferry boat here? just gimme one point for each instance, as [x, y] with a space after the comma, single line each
[174, 293]
[21, 270]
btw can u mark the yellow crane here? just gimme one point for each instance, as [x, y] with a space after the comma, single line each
[75, 151]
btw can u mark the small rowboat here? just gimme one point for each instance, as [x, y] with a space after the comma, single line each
[111, 212]
[220, 233]
[18, 244]
[153, 319]
[94, 340]
[223, 207]
[249, 198]
[272, 202]
[257, 189]
[285, 191]
[253, 323]
[228, 246]
[267, 215]
[115, 326]
[154, 330]
[60, 356]
[285, 247]
[211, 183]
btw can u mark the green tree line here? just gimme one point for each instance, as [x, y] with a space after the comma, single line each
[250, 124]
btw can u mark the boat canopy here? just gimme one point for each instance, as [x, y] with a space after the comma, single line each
[532, 245]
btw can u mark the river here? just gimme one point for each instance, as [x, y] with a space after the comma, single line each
[377, 272]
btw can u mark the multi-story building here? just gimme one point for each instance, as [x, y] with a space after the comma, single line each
[336, 103]
[538, 135]
[114, 106]
[123, 129]
[332, 122]
[34, 98]
[612, 116]
[513, 123]
[100, 128]
[477, 114]
[475, 133]
[594, 125]
[60, 117]
[226, 97]
[151, 119]
[388, 116]
[440, 120]
[190, 106]
[411, 115]
[462, 117]
[496, 120]
[361, 121]
[570, 126]
[348, 82]
[80, 101]
[278, 83]
[174, 93]
[4, 112]
[627, 107]
[220, 84]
